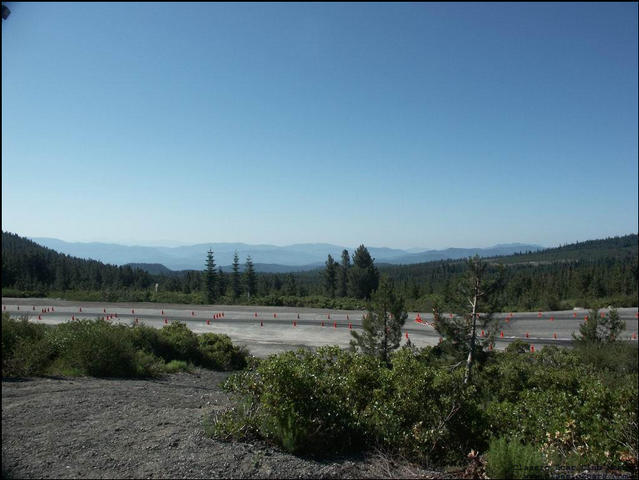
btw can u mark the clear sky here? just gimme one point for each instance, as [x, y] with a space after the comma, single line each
[400, 125]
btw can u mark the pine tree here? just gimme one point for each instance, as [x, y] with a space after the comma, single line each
[330, 277]
[597, 330]
[474, 294]
[382, 324]
[363, 276]
[210, 278]
[250, 278]
[236, 280]
[342, 281]
[222, 282]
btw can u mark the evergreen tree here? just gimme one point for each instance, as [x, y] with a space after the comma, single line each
[61, 280]
[250, 278]
[342, 281]
[330, 277]
[236, 280]
[186, 283]
[263, 286]
[382, 324]
[475, 301]
[363, 276]
[222, 281]
[597, 330]
[290, 287]
[210, 279]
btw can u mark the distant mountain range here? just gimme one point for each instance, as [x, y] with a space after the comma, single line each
[267, 258]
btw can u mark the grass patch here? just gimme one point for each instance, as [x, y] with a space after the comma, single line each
[508, 458]
[175, 366]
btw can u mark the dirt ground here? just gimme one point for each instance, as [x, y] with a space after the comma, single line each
[117, 428]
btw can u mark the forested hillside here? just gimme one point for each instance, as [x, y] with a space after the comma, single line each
[581, 274]
[31, 267]
[573, 274]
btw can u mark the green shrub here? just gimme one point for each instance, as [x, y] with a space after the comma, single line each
[424, 412]
[517, 346]
[175, 366]
[566, 411]
[307, 402]
[217, 352]
[30, 358]
[236, 423]
[24, 348]
[148, 365]
[574, 413]
[336, 401]
[508, 458]
[148, 339]
[178, 343]
[614, 358]
[98, 348]
[95, 348]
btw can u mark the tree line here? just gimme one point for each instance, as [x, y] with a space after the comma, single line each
[586, 279]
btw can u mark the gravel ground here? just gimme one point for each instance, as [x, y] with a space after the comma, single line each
[117, 428]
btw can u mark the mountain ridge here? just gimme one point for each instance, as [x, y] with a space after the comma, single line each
[270, 258]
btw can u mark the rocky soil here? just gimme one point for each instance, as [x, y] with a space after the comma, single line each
[117, 428]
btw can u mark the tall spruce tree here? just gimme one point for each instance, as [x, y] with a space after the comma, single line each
[363, 276]
[382, 325]
[250, 278]
[236, 279]
[342, 277]
[210, 278]
[330, 277]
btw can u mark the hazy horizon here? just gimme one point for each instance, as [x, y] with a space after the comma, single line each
[173, 244]
[405, 125]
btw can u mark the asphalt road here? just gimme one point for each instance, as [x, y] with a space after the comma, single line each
[266, 330]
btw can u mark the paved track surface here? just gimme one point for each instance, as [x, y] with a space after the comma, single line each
[266, 330]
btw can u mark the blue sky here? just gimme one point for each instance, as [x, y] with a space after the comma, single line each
[400, 125]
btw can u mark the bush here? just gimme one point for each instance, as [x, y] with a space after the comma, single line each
[175, 366]
[178, 343]
[307, 402]
[148, 365]
[236, 423]
[574, 413]
[334, 401]
[615, 358]
[20, 355]
[148, 339]
[98, 348]
[423, 411]
[217, 352]
[508, 458]
[95, 348]
[566, 411]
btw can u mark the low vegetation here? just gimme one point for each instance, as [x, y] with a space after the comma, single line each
[526, 410]
[101, 349]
